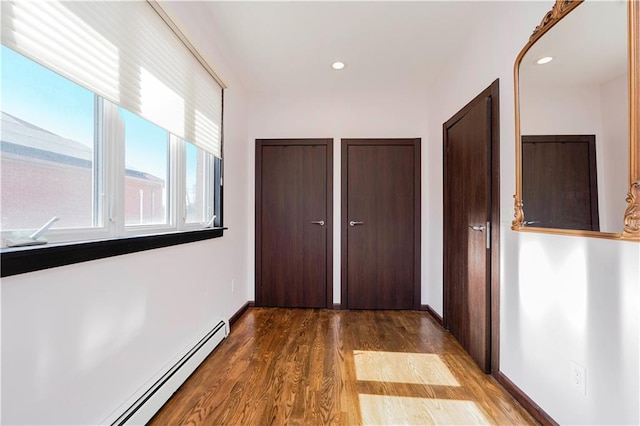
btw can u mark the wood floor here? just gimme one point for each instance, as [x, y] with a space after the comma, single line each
[311, 367]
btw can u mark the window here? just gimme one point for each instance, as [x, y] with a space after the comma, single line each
[200, 186]
[146, 173]
[54, 159]
[47, 148]
[114, 138]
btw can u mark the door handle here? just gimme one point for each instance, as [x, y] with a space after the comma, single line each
[353, 223]
[481, 228]
[318, 222]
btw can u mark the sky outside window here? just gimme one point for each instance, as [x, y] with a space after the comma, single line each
[43, 98]
[146, 145]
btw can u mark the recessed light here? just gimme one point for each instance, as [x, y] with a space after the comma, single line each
[544, 60]
[337, 65]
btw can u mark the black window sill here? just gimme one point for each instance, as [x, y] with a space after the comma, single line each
[14, 261]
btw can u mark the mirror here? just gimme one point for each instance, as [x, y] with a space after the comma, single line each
[576, 122]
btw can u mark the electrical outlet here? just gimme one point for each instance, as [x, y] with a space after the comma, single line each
[579, 378]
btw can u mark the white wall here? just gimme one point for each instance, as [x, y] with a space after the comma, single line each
[381, 114]
[78, 340]
[563, 298]
[569, 110]
[615, 131]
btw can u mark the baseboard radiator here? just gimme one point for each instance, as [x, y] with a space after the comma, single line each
[146, 405]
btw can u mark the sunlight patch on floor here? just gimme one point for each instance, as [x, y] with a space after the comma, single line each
[396, 410]
[402, 367]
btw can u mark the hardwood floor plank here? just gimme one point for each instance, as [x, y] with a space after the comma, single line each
[313, 367]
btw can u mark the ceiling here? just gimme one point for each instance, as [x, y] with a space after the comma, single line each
[289, 46]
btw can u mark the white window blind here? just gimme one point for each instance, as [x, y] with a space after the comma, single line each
[125, 52]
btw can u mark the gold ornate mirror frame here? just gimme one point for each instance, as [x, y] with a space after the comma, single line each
[631, 220]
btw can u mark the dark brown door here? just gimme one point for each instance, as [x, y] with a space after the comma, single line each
[559, 182]
[467, 227]
[381, 223]
[293, 222]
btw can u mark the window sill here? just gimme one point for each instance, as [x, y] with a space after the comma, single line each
[21, 260]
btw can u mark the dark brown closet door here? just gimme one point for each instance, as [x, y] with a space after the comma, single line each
[292, 223]
[381, 202]
[467, 218]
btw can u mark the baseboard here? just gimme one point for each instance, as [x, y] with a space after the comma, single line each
[432, 312]
[145, 403]
[235, 317]
[527, 403]
[337, 306]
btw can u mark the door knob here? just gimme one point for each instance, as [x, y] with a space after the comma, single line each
[354, 223]
[479, 228]
[318, 222]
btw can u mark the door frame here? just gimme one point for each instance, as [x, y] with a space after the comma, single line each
[260, 143]
[415, 142]
[493, 91]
